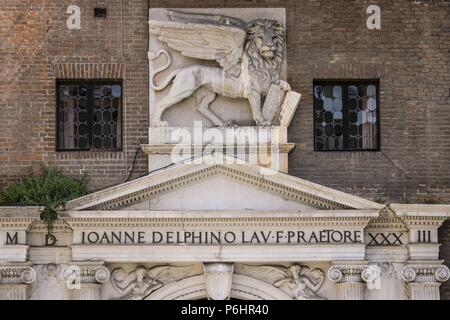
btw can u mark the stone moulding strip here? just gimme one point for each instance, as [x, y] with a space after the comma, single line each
[421, 210]
[237, 148]
[387, 223]
[214, 222]
[306, 214]
[423, 221]
[20, 211]
[58, 226]
[249, 179]
[276, 253]
[16, 223]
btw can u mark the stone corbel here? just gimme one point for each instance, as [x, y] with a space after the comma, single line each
[218, 280]
[15, 280]
[423, 280]
[85, 280]
[351, 279]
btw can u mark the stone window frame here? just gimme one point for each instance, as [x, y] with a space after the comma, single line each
[347, 82]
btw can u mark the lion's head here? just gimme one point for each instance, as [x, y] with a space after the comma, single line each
[268, 37]
[265, 48]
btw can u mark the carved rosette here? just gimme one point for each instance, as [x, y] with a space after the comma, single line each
[102, 275]
[408, 274]
[370, 274]
[423, 280]
[425, 273]
[442, 274]
[335, 275]
[17, 274]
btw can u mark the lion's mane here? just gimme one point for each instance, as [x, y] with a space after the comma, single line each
[264, 70]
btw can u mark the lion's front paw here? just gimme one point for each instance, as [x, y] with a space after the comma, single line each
[284, 85]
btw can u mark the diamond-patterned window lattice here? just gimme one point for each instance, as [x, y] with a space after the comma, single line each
[346, 115]
[89, 115]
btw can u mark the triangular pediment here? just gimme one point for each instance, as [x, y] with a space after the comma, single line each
[208, 184]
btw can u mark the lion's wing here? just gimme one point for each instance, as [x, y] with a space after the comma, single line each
[223, 43]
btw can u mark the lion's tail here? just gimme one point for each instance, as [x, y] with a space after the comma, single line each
[161, 69]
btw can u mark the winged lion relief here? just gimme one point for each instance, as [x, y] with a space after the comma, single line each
[250, 58]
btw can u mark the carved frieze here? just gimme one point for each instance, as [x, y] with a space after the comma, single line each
[141, 282]
[300, 281]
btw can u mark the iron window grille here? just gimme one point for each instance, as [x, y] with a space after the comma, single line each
[346, 115]
[89, 115]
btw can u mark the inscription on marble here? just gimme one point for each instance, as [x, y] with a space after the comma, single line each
[12, 237]
[385, 239]
[424, 236]
[220, 237]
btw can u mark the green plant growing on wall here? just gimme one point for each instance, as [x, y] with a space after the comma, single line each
[51, 190]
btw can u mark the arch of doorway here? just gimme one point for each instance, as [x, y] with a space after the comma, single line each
[243, 287]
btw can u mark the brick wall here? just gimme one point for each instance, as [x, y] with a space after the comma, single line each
[38, 49]
[325, 39]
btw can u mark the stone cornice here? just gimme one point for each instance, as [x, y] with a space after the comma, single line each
[16, 223]
[215, 218]
[255, 181]
[23, 211]
[429, 221]
[387, 223]
[237, 148]
[422, 210]
[214, 222]
[58, 226]
[219, 214]
[257, 177]
[19, 217]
